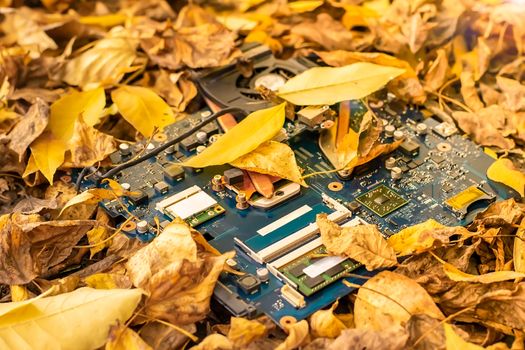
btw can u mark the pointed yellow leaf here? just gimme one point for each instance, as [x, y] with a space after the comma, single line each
[243, 332]
[304, 5]
[258, 127]
[142, 108]
[414, 238]
[324, 323]
[78, 320]
[110, 20]
[329, 85]
[48, 153]
[272, 158]
[124, 338]
[502, 170]
[19, 293]
[65, 111]
[105, 62]
[454, 341]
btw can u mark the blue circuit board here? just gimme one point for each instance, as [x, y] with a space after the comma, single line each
[444, 166]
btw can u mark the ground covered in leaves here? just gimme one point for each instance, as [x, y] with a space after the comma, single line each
[78, 76]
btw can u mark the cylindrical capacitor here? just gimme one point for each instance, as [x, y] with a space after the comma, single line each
[242, 202]
[396, 173]
[171, 149]
[263, 274]
[422, 128]
[389, 130]
[390, 163]
[205, 114]
[216, 183]
[200, 148]
[124, 149]
[232, 263]
[398, 135]
[202, 137]
[126, 186]
[142, 226]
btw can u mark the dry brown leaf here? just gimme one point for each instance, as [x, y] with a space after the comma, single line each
[214, 342]
[363, 243]
[518, 253]
[175, 88]
[162, 337]
[513, 94]
[271, 158]
[29, 128]
[243, 332]
[108, 281]
[453, 341]
[437, 72]
[326, 324]
[391, 338]
[123, 338]
[427, 331]
[469, 92]
[298, 334]
[384, 301]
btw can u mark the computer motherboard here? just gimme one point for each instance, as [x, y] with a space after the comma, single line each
[435, 173]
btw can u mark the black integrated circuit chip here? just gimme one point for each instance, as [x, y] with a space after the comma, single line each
[313, 282]
[334, 271]
[297, 270]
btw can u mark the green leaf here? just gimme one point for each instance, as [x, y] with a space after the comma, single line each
[78, 320]
[258, 127]
[330, 85]
[142, 108]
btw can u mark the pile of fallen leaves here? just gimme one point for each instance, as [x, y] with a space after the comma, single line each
[78, 76]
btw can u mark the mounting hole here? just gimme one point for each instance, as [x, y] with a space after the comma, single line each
[444, 147]
[279, 193]
[160, 137]
[287, 321]
[129, 226]
[335, 186]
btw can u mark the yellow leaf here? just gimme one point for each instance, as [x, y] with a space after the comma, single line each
[110, 20]
[19, 293]
[328, 85]
[48, 153]
[214, 342]
[272, 158]
[519, 248]
[106, 62]
[356, 15]
[95, 236]
[142, 108]
[389, 299]
[502, 170]
[78, 320]
[455, 342]
[257, 128]
[304, 5]
[297, 336]
[459, 276]
[243, 332]
[65, 111]
[105, 281]
[122, 338]
[415, 239]
[325, 324]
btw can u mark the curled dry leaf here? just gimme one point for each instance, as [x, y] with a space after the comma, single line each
[29, 128]
[383, 301]
[513, 94]
[326, 324]
[391, 338]
[328, 85]
[62, 320]
[363, 243]
[243, 332]
[298, 334]
[175, 88]
[437, 72]
[453, 341]
[469, 92]
[518, 252]
[123, 338]
[252, 131]
[271, 158]
[502, 170]
[214, 342]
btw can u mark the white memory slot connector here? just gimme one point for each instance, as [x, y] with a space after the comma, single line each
[163, 204]
[295, 238]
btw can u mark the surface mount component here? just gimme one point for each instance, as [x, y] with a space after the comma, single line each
[249, 284]
[382, 200]
[410, 148]
[461, 202]
[445, 129]
[313, 115]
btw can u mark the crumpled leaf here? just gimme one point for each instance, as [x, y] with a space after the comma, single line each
[272, 158]
[326, 324]
[62, 320]
[363, 243]
[162, 337]
[97, 235]
[123, 338]
[214, 342]
[178, 277]
[502, 170]
[19, 293]
[142, 108]
[391, 338]
[29, 128]
[384, 301]
[328, 85]
[469, 92]
[422, 237]
[107, 281]
[105, 63]
[175, 88]
[437, 72]
[48, 154]
[297, 335]
[257, 128]
[31, 247]
[513, 93]
[454, 341]
[518, 252]
[243, 332]
[406, 85]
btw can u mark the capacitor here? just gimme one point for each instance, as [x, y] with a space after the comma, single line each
[200, 149]
[242, 202]
[205, 114]
[171, 149]
[126, 186]
[150, 147]
[202, 137]
[396, 173]
[124, 149]
[389, 130]
[390, 163]
[216, 183]
[232, 263]
[422, 128]
[398, 135]
[213, 138]
[263, 274]
[142, 226]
